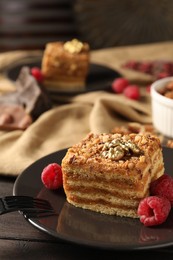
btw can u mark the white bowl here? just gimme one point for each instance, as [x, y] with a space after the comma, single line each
[162, 108]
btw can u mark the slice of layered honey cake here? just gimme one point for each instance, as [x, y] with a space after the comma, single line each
[65, 65]
[111, 173]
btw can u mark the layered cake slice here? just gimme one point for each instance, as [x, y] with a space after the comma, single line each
[111, 173]
[65, 65]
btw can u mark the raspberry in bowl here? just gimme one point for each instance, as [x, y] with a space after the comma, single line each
[162, 106]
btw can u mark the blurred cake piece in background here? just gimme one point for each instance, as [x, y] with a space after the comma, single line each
[65, 65]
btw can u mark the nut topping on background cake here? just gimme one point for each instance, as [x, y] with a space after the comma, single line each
[73, 46]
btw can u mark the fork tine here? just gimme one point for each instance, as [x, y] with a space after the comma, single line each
[11, 200]
[25, 203]
[26, 198]
[32, 204]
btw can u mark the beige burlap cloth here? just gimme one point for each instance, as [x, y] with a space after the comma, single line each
[66, 124]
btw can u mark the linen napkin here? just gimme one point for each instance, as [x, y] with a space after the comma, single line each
[65, 125]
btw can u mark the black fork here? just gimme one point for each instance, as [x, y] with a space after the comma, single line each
[31, 207]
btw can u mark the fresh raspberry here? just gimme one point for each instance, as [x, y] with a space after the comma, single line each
[37, 74]
[51, 176]
[119, 84]
[132, 92]
[153, 210]
[167, 67]
[163, 186]
[132, 64]
[146, 67]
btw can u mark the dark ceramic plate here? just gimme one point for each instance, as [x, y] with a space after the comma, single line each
[85, 227]
[99, 78]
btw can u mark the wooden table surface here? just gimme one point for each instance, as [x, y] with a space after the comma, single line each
[20, 240]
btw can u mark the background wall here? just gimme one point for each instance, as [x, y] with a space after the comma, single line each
[105, 23]
[30, 24]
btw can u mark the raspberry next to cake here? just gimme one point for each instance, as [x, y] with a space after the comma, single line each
[111, 173]
[65, 65]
